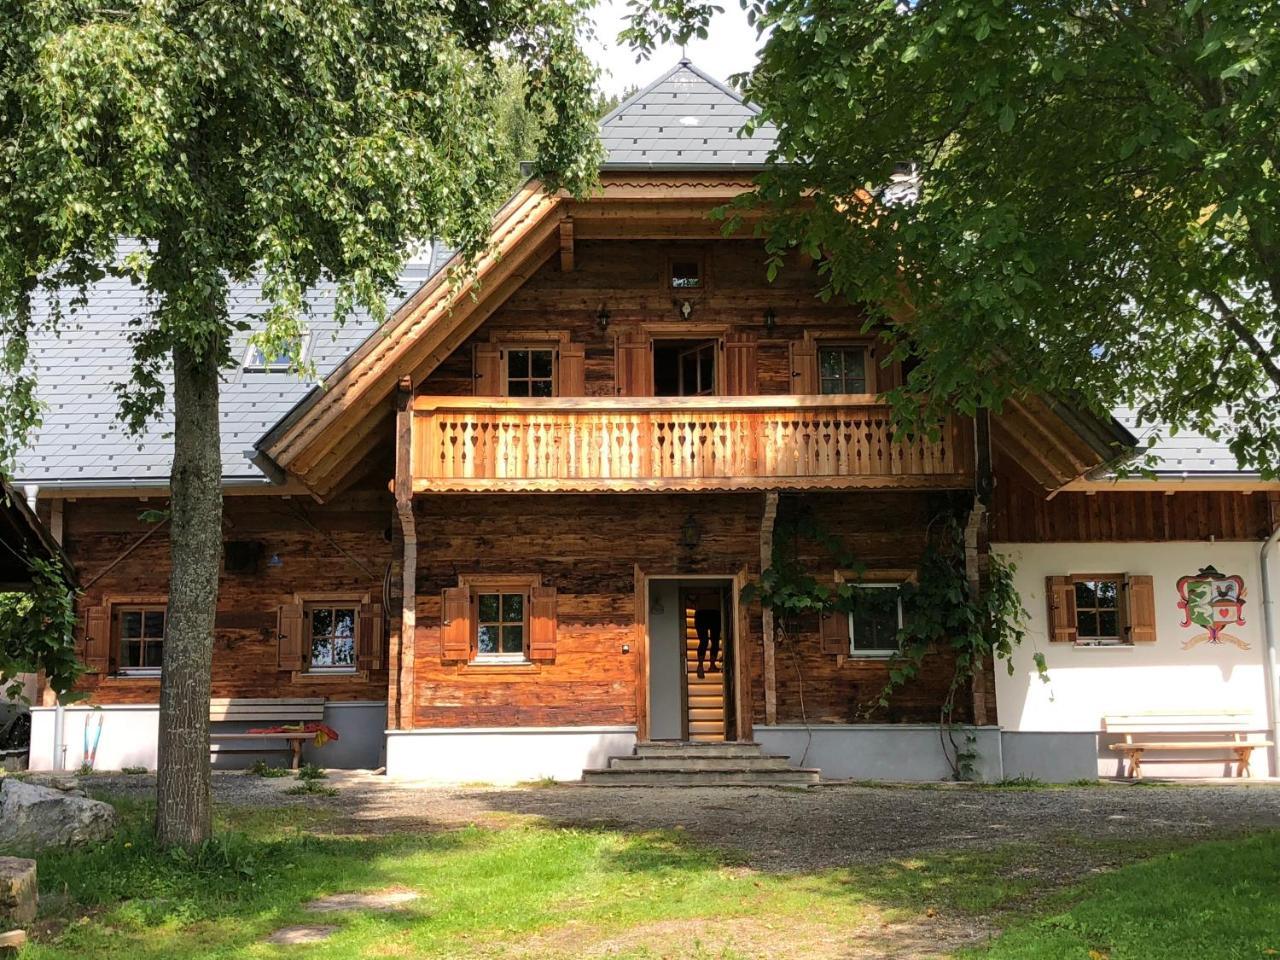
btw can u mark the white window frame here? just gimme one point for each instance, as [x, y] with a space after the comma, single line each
[330, 603]
[882, 654]
[252, 350]
[1121, 640]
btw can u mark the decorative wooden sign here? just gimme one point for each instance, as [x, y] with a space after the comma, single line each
[1213, 601]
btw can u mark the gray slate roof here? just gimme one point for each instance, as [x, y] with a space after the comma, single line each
[82, 442]
[1183, 454]
[684, 120]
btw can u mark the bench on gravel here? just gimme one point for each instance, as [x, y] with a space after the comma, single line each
[276, 712]
[1223, 732]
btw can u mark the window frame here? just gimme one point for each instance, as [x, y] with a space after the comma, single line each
[314, 602]
[1122, 638]
[116, 608]
[477, 586]
[273, 366]
[547, 346]
[876, 653]
[868, 375]
[699, 259]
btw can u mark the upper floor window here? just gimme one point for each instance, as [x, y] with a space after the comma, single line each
[331, 628]
[686, 274]
[842, 369]
[140, 636]
[531, 371]
[255, 361]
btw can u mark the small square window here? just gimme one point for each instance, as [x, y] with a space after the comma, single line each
[1098, 620]
[686, 274]
[140, 635]
[531, 372]
[842, 369]
[331, 637]
[875, 619]
[501, 621]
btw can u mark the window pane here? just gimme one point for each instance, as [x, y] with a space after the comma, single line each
[153, 655]
[829, 362]
[513, 607]
[518, 363]
[518, 388]
[855, 365]
[541, 363]
[153, 624]
[1087, 623]
[131, 654]
[487, 639]
[875, 619]
[541, 388]
[131, 624]
[1108, 624]
[321, 622]
[513, 639]
[489, 608]
[707, 371]
[344, 622]
[1085, 594]
[832, 386]
[684, 274]
[1108, 591]
[344, 651]
[321, 651]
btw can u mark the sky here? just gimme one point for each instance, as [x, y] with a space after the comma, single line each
[731, 48]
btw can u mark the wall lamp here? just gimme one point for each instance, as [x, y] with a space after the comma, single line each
[602, 319]
[770, 320]
[690, 533]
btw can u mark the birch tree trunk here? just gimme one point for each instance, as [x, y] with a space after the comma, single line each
[183, 805]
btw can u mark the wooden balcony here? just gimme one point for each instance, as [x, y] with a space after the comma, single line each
[676, 443]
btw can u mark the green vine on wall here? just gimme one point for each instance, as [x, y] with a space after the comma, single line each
[941, 610]
[36, 631]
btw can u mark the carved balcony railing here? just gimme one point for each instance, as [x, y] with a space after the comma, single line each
[677, 443]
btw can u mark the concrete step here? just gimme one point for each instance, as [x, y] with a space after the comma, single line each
[690, 760]
[742, 777]
[673, 748]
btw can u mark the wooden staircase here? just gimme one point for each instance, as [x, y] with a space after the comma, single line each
[668, 763]
[705, 697]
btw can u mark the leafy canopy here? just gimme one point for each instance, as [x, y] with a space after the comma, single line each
[307, 140]
[1099, 204]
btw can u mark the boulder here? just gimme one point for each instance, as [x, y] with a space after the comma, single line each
[35, 818]
[17, 892]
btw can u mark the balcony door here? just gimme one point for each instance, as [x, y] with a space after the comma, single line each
[686, 368]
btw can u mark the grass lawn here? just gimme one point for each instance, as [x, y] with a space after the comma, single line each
[538, 891]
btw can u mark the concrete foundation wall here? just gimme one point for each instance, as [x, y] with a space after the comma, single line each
[1051, 757]
[129, 738]
[503, 755]
[880, 751]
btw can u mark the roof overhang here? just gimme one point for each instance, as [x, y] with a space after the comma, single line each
[22, 535]
[1056, 443]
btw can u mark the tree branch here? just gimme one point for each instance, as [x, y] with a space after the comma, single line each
[1246, 336]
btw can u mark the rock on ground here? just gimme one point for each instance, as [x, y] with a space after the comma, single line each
[17, 892]
[36, 818]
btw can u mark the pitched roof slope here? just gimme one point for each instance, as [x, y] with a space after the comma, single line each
[684, 120]
[82, 441]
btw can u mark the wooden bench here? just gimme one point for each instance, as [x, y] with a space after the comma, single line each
[1226, 732]
[272, 712]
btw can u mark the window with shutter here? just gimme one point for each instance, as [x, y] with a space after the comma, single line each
[97, 639]
[804, 366]
[1060, 593]
[488, 370]
[572, 373]
[289, 637]
[369, 637]
[740, 365]
[633, 364]
[543, 624]
[1140, 597]
[455, 624]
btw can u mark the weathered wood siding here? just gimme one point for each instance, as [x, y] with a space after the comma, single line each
[312, 542]
[627, 278]
[587, 546]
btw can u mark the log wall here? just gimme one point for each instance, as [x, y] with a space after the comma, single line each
[315, 545]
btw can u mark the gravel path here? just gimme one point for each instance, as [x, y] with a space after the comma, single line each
[788, 830]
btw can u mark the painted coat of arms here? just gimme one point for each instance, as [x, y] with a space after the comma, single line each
[1213, 601]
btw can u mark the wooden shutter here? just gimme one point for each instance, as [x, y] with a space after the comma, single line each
[543, 625]
[488, 370]
[573, 370]
[1140, 602]
[804, 366]
[369, 637]
[740, 364]
[97, 639]
[633, 355]
[1061, 595]
[289, 637]
[455, 624]
[833, 628]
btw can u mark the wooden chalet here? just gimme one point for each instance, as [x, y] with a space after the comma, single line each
[494, 538]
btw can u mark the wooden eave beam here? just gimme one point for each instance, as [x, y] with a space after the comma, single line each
[566, 245]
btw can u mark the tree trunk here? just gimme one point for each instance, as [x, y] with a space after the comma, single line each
[183, 806]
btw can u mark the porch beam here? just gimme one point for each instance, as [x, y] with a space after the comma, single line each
[767, 520]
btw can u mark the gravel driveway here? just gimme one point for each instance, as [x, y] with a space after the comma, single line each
[789, 830]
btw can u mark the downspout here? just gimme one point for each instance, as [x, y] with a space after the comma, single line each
[1270, 653]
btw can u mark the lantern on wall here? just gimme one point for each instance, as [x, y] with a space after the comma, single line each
[690, 533]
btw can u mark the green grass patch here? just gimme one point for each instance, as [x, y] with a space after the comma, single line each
[1214, 901]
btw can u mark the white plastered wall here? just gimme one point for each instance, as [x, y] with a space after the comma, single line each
[1087, 683]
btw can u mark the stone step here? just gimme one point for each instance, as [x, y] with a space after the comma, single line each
[683, 777]
[690, 760]
[669, 748]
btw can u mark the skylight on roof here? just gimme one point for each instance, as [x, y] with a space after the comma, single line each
[256, 362]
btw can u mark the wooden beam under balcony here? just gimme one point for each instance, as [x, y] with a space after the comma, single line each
[585, 444]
